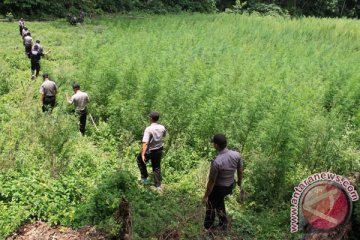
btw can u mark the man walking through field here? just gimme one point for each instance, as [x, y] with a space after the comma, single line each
[80, 99]
[221, 181]
[21, 25]
[28, 43]
[48, 91]
[35, 56]
[152, 149]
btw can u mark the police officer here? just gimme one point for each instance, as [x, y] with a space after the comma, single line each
[28, 43]
[35, 56]
[40, 47]
[152, 149]
[21, 25]
[24, 32]
[221, 181]
[48, 91]
[80, 100]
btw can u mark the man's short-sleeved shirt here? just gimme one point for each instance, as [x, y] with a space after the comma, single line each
[80, 100]
[223, 167]
[48, 88]
[154, 135]
[40, 47]
[27, 41]
[24, 32]
[21, 23]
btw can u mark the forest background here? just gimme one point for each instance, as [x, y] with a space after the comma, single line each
[318, 8]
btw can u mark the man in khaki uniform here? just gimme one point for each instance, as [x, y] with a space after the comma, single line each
[21, 25]
[221, 181]
[152, 149]
[28, 43]
[48, 91]
[80, 100]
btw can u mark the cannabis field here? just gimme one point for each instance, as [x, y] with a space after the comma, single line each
[286, 92]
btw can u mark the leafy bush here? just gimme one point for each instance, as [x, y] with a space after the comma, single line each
[267, 9]
[10, 17]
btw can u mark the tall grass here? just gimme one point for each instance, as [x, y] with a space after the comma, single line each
[285, 92]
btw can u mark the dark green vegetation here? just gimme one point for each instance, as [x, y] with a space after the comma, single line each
[286, 93]
[320, 8]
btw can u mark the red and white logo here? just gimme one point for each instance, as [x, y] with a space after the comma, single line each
[325, 206]
[323, 201]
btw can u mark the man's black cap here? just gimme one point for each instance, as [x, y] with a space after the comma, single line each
[76, 85]
[37, 41]
[45, 75]
[154, 116]
[219, 139]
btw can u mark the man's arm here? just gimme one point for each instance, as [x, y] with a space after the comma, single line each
[143, 151]
[145, 141]
[211, 182]
[69, 100]
[42, 98]
[209, 187]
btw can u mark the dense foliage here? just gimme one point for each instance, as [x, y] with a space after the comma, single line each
[319, 8]
[286, 93]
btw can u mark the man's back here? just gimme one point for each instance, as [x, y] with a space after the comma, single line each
[154, 135]
[39, 46]
[48, 88]
[80, 99]
[224, 166]
[27, 40]
[35, 56]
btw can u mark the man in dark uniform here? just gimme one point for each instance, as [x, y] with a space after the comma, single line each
[48, 91]
[221, 181]
[35, 56]
[152, 149]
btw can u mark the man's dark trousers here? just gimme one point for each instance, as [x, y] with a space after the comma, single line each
[35, 66]
[48, 101]
[155, 157]
[82, 120]
[216, 203]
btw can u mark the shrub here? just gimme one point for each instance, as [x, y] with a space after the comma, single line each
[10, 17]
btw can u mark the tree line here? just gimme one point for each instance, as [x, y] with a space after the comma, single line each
[318, 8]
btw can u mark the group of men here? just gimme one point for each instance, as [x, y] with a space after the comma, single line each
[73, 20]
[33, 52]
[221, 180]
[80, 99]
[48, 89]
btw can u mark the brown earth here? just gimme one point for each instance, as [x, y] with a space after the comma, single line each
[42, 231]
